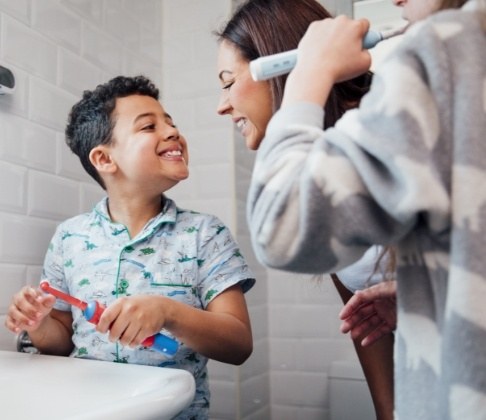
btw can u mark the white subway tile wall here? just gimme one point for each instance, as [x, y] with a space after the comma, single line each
[58, 48]
[31, 51]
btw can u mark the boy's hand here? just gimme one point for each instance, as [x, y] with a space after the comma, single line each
[131, 320]
[28, 309]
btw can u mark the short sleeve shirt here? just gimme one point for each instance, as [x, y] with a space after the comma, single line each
[187, 256]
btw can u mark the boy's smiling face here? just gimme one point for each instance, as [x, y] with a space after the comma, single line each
[149, 152]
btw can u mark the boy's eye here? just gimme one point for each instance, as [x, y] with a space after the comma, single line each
[148, 127]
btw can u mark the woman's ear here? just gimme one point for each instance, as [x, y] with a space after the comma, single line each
[101, 159]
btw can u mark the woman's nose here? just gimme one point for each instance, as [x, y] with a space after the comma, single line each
[224, 106]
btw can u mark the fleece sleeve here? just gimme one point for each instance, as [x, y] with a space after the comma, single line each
[318, 199]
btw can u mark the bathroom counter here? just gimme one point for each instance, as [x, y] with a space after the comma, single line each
[34, 386]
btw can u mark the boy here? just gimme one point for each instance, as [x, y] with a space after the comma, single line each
[153, 265]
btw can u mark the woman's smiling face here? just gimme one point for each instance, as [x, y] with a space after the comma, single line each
[249, 103]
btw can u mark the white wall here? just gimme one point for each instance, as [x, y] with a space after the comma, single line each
[56, 49]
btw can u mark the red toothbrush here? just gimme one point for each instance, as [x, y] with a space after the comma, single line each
[92, 312]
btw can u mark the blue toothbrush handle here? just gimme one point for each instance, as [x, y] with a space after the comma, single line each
[269, 66]
[163, 344]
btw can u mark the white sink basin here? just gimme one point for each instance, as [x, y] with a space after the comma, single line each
[34, 386]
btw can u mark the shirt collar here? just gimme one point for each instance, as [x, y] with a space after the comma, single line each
[168, 214]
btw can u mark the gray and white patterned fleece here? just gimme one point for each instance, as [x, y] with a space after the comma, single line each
[407, 168]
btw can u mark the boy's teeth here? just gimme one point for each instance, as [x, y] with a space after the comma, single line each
[172, 153]
[241, 123]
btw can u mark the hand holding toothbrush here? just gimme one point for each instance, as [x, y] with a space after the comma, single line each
[335, 46]
[331, 51]
[131, 321]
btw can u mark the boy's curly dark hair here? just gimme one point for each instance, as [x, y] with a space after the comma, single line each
[90, 122]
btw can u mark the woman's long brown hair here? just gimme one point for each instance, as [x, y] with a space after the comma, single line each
[451, 4]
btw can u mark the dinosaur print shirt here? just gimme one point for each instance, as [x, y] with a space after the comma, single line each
[187, 256]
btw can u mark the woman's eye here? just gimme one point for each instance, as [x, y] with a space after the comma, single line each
[228, 85]
[148, 127]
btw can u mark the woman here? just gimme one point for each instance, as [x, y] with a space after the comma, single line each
[411, 166]
[249, 34]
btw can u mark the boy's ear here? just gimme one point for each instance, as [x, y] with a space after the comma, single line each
[101, 159]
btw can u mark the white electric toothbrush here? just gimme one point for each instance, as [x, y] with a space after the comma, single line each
[264, 68]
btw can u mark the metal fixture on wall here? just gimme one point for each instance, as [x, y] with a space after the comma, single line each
[7, 81]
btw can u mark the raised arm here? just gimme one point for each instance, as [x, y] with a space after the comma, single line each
[318, 198]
